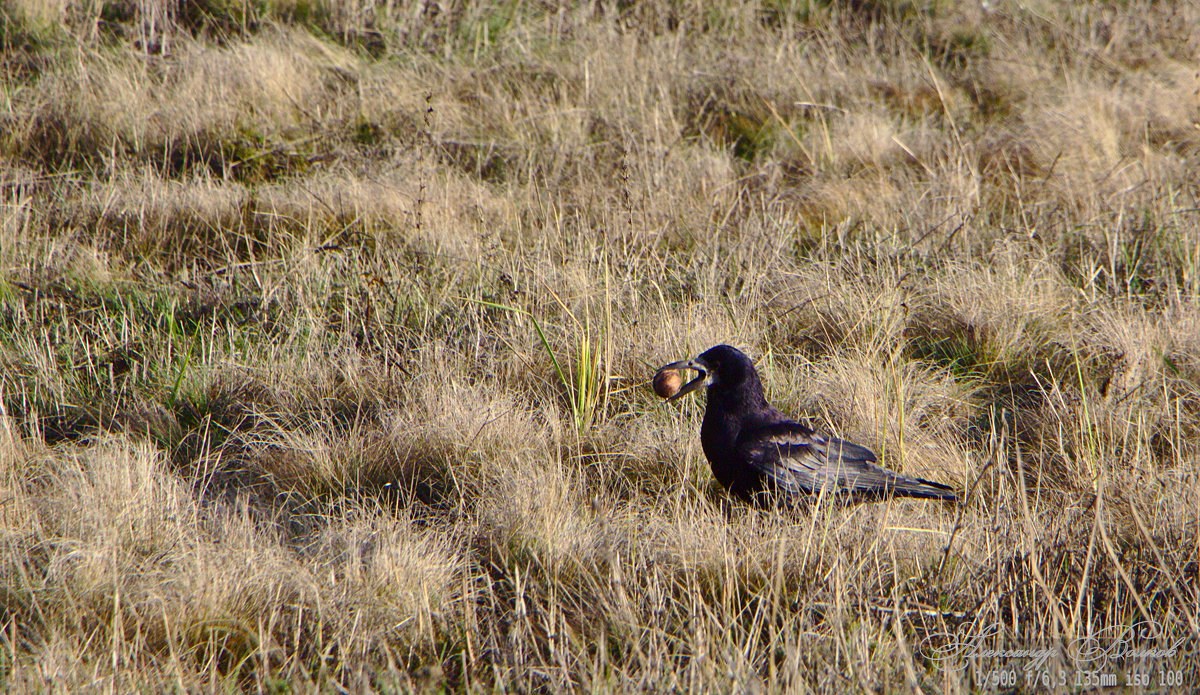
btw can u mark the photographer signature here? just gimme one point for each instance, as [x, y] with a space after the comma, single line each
[1122, 642]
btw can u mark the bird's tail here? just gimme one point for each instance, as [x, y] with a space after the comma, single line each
[903, 486]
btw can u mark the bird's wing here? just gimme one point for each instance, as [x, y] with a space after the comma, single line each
[793, 459]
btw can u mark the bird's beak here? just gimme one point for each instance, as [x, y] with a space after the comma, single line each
[704, 379]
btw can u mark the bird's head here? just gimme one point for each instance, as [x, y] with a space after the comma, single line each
[724, 367]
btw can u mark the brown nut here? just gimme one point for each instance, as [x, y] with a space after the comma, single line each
[667, 382]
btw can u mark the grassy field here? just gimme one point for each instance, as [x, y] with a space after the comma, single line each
[326, 330]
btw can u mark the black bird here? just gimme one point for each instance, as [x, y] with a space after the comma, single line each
[759, 454]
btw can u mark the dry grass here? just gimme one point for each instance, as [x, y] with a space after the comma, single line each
[275, 413]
